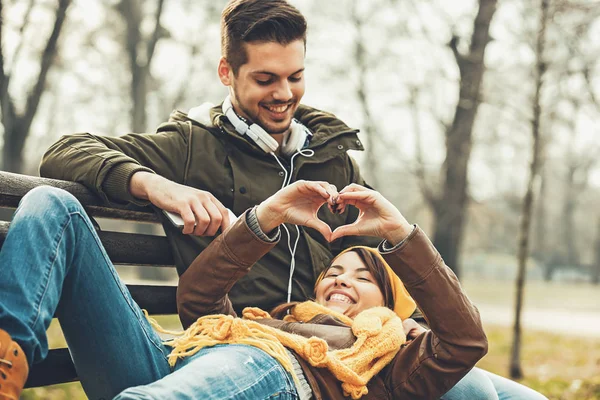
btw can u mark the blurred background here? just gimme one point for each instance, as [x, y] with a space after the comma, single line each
[480, 118]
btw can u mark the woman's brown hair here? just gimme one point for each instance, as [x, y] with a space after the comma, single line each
[375, 267]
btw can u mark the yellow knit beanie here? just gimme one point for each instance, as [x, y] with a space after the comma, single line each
[404, 305]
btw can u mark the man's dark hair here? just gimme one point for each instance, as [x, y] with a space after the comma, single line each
[244, 21]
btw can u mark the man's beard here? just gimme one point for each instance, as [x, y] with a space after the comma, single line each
[254, 118]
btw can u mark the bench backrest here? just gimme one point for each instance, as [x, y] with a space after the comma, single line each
[122, 248]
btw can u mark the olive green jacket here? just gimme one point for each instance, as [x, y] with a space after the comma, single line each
[215, 158]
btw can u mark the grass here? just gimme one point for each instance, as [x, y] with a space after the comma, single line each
[555, 365]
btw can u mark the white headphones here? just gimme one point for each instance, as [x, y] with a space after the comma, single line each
[293, 143]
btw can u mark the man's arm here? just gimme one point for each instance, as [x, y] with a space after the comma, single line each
[138, 168]
[106, 164]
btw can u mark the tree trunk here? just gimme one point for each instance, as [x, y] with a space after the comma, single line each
[17, 125]
[360, 58]
[516, 371]
[140, 53]
[450, 214]
[596, 267]
[540, 226]
[568, 218]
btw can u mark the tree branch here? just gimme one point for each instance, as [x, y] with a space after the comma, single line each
[156, 34]
[420, 174]
[453, 44]
[48, 55]
[21, 34]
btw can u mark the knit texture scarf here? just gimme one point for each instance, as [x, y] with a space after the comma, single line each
[378, 332]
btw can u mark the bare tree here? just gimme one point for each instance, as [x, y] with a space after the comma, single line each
[450, 208]
[596, 266]
[17, 123]
[362, 63]
[516, 371]
[140, 52]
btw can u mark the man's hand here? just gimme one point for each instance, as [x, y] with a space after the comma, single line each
[201, 212]
[297, 204]
[378, 217]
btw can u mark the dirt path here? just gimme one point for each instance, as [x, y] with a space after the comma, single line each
[575, 323]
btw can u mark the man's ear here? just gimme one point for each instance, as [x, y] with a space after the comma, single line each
[225, 72]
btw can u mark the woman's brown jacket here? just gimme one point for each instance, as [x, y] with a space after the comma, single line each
[425, 368]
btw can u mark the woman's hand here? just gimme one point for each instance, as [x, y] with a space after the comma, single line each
[297, 204]
[412, 329]
[378, 217]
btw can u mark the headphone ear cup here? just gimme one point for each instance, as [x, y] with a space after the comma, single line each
[263, 139]
[254, 132]
[295, 140]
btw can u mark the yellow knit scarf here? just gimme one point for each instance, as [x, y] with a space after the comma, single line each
[378, 331]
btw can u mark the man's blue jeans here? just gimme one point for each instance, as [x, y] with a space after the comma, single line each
[219, 373]
[52, 263]
[483, 385]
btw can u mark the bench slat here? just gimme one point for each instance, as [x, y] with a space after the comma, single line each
[56, 368]
[127, 248]
[14, 186]
[155, 299]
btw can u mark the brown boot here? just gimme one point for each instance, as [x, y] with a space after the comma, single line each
[13, 368]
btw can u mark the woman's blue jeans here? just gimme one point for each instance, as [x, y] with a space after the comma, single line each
[53, 263]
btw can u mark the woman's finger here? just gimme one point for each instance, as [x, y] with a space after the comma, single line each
[321, 227]
[354, 187]
[345, 230]
[318, 188]
[358, 196]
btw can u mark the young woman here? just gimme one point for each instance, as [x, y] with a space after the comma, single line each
[52, 263]
[213, 361]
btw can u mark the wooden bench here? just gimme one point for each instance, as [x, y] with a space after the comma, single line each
[122, 248]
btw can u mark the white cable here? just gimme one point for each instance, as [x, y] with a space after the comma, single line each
[287, 178]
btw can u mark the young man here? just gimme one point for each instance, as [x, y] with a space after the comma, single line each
[196, 167]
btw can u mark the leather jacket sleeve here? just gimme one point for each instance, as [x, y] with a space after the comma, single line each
[203, 288]
[432, 363]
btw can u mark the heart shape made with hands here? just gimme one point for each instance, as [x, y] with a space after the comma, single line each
[300, 202]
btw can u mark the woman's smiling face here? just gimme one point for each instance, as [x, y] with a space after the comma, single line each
[348, 286]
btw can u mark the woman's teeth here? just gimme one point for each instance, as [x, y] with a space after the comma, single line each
[341, 297]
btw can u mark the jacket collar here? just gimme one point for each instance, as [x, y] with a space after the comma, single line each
[326, 127]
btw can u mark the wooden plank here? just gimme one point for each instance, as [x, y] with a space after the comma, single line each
[14, 186]
[157, 300]
[127, 248]
[56, 368]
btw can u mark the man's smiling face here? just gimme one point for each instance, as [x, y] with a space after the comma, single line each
[268, 88]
